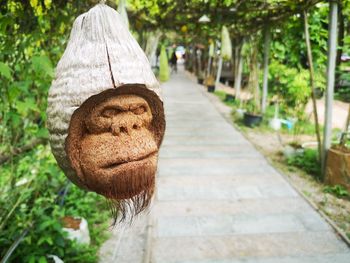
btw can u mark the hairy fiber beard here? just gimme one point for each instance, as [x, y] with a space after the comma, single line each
[126, 210]
[131, 194]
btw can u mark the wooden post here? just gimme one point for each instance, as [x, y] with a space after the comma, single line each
[218, 75]
[238, 76]
[199, 61]
[346, 129]
[194, 61]
[312, 82]
[209, 66]
[235, 59]
[267, 38]
[332, 52]
[210, 59]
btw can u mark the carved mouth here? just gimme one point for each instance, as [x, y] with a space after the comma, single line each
[121, 162]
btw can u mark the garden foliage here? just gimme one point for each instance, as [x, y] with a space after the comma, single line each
[33, 35]
[164, 66]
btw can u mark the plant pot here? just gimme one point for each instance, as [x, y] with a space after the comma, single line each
[200, 81]
[211, 88]
[338, 167]
[275, 124]
[290, 151]
[252, 120]
[77, 229]
[318, 93]
[240, 113]
[230, 97]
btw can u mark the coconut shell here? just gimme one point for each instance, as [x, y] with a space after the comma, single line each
[226, 45]
[101, 55]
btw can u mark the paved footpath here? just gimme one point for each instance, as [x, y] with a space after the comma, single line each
[218, 200]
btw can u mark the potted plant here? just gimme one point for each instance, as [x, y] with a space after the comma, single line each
[338, 161]
[338, 166]
[200, 78]
[230, 97]
[319, 93]
[77, 229]
[252, 117]
[210, 83]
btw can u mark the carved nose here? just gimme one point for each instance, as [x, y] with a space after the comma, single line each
[119, 128]
[125, 127]
[115, 129]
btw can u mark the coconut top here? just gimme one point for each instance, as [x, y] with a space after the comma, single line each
[101, 54]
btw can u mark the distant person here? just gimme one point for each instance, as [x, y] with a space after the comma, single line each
[173, 62]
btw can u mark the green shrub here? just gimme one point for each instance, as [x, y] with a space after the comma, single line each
[291, 84]
[307, 161]
[337, 190]
[29, 201]
[163, 65]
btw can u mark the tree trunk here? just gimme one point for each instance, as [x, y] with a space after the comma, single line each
[267, 38]
[341, 32]
[332, 52]
[254, 75]
[312, 82]
[218, 74]
[238, 72]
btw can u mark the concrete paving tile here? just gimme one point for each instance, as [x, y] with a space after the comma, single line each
[168, 167]
[200, 131]
[278, 191]
[259, 207]
[221, 225]
[312, 221]
[170, 152]
[195, 140]
[219, 190]
[192, 192]
[300, 244]
[239, 182]
[126, 244]
[328, 258]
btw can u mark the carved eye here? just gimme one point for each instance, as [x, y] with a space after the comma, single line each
[139, 110]
[108, 113]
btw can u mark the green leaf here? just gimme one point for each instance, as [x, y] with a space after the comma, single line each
[24, 106]
[15, 118]
[49, 240]
[42, 259]
[41, 240]
[59, 241]
[42, 133]
[13, 92]
[44, 225]
[42, 65]
[31, 259]
[5, 70]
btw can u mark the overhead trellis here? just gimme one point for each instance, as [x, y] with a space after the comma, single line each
[244, 17]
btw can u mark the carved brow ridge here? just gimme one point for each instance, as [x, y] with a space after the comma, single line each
[130, 106]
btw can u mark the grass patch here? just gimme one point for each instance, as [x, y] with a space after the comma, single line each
[307, 161]
[338, 191]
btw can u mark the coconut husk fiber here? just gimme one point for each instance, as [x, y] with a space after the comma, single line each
[105, 113]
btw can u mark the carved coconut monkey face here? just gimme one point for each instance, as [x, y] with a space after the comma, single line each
[118, 147]
[113, 148]
[105, 112]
